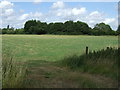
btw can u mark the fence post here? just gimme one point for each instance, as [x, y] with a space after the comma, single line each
[86, 50]
[107, 48]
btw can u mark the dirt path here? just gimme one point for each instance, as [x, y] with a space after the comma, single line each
[49, 75]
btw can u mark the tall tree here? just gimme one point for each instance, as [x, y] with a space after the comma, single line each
[28, 25]
[8, 27]
[103, 29]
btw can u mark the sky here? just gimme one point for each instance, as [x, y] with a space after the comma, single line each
[16, 14]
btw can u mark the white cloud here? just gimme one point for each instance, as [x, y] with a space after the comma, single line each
[109, 20]
[14, 18]
[58, 4]
[113, 22]
[37, 1]
[58, 12]
[64, 13]
[93, 18]
[24, 16]
[6, 4]
[6, 8]
[67, 13]
[76, 11]
[94, 13]
[9, 11]
[81, 14]
[37, 14]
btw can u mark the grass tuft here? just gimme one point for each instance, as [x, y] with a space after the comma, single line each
[102, 62]
[13, 72]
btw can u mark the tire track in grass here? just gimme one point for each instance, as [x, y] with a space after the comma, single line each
[48, 75]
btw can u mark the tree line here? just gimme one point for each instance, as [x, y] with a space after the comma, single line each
[59, 28]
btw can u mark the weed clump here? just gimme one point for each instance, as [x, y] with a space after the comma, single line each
[102, 62]
[13, 72]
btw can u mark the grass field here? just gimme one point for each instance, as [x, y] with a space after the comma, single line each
[40, 52]
[52, 47]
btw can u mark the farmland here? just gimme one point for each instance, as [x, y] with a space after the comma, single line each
[52, 47]
[41, 51]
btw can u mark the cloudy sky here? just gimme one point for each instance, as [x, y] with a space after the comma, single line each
[16, 14]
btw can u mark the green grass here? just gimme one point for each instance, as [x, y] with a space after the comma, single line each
[103, 62]
[43, 51]
[54, 47]
[13, 72]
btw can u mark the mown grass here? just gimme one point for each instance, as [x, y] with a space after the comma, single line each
[103, 62]
[54, 47]
[13, 72]
[41, 50]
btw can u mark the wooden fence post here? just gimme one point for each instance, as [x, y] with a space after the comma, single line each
[86, 50]
[107, 48]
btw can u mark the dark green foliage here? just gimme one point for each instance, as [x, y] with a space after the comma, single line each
[73, 61]
[28, 25]
[82, 27]
[19, 31]
[4, 31]
[59, 28]
[35, 27]
[67, 28]
[8, 30]
[104, 62]
[103, 29]
[55, 28]
[7, 26]
[118, 30]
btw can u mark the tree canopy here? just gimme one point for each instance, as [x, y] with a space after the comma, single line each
[60, 28]
[118, 30]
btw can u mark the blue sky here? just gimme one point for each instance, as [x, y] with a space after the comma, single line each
[17, 13]
[107, 7]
